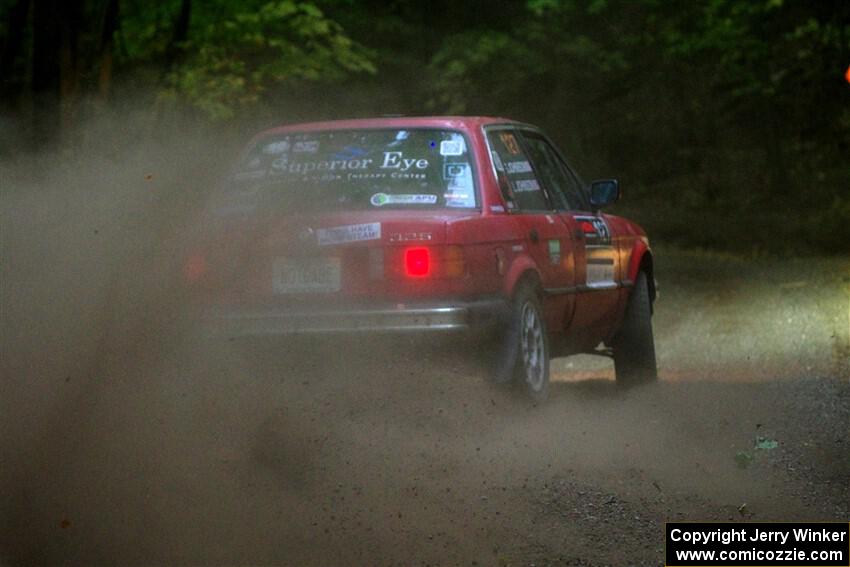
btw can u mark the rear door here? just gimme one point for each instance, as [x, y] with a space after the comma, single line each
[597, 273]
[546, 237]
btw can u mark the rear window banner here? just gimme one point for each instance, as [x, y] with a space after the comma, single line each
[349, 233]
[357, 169]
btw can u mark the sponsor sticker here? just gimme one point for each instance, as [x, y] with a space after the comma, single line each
[518, 167]
[349, 233]
[307, 146]
[555, 251]
[454, 170]
[526, 185]
[381, 199]
[600, 271]
[451, 148]
[458, 199]
[277, 147]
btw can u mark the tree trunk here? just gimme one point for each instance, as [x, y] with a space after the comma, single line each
[10, 81]
[180, 34]
[777, 167]
[173, 53]
[69, 68]
[107, 43]
[45, 72]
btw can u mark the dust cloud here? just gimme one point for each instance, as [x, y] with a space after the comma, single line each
[128, 438]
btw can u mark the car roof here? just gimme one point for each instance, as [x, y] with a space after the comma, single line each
[442, 122]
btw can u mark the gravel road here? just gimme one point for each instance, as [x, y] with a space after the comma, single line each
[141, 445]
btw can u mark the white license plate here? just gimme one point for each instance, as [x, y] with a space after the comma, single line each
[306, 275]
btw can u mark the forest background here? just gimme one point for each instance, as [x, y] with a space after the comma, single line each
[727, 122]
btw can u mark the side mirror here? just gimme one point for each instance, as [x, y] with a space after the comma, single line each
[604, 192]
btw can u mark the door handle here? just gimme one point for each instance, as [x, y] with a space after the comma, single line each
[535, 238]
[579, 233]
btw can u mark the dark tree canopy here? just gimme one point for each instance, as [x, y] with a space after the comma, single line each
[711, 109]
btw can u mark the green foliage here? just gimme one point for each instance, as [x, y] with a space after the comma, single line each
[706, 110]
[701, 107]
[480, 63]
[772, 50]
[145, 31]
[231, 62]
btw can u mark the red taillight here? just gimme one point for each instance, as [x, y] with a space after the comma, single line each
[417, 262]
[194, 268]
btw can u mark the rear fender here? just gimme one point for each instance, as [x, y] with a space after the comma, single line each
[520, 268]
[641, 259]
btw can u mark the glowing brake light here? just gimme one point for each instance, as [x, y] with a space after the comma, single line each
[417, 262]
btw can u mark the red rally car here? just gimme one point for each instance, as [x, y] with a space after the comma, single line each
[450, 224]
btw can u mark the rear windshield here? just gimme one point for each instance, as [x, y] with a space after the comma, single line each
[354, 169]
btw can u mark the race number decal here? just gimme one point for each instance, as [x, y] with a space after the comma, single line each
[510, 142]
[595, 230]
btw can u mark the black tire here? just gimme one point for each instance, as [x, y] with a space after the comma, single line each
[634, 346]
[524, 352]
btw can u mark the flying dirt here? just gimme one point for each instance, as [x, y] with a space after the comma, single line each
[130, 438]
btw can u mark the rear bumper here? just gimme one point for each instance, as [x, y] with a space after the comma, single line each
[447, 316]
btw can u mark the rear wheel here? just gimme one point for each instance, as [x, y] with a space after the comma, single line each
[524, 353]
[634, 346]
